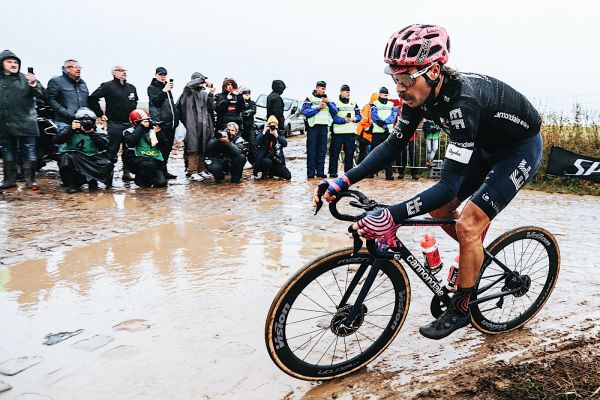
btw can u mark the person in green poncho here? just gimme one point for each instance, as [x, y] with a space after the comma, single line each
[432, 137]
[83, 158]
[142, 157]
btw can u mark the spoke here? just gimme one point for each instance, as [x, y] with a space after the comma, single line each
[371, 298]
[308, 341]
[306, 319]
[324, 309]
[326, 350]
[346, 283]
[359, 347]
[317, 342]
[307, 333]
[308, 310]
[334, 349]
[326, 294]
[378, 315]
[375, 288]
[345, 348]
[336, 283]
[393, 302]
[370, 323]
[362, 334]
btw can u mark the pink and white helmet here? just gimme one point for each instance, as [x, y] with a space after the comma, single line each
[415, 46]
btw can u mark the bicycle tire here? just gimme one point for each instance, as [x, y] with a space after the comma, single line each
[531, 251]
[282, 314]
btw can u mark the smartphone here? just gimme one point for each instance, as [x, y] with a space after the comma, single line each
[171, 80]
[348, 115]
[30, 70]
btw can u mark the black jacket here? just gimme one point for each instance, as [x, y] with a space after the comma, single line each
[275, 102]
[17, 106]
[269, 146]
[120, 100]
[228, 110]
[248, 113]
[162, 105]
[67, 95]
[218, 149]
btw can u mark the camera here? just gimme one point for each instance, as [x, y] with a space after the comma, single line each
[87, 124]
[223, 134]
[154, 123]
[348, 115]
[272, 127]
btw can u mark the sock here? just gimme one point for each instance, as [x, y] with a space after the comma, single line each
[460, 301]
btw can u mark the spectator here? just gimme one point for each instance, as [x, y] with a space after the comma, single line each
[195, 107]
[82, 153]
[229, 104]
[162, 108]
[270, 160]
[432, 140]
[345, 115]
[383, 115]
[275, 102]
[248, 132]
[18, 123]
[402, 160]
[142, 156]
[67, 94]
[121, 99]
[318, 110]
[364, 131]
[228, 150]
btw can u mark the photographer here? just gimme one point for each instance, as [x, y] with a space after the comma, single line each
[82, 153]
[143, 157]
[227, 150]
[270, 160]
[248, 132]
[18, 122]
[162, 106]
[229, 104]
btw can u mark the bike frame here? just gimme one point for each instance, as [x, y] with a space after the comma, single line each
[423, 272]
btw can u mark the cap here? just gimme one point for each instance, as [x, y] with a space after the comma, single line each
[161, 70]
[321, 84]
[345, 88]
[245, 89]
[384, 90]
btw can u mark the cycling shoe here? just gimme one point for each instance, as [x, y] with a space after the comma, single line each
[447, 323]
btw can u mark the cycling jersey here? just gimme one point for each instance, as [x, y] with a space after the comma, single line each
[477, 112]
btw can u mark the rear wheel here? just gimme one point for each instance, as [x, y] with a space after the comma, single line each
[534, 255]
[305, 331]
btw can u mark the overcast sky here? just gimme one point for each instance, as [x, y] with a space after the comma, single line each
[546, 50]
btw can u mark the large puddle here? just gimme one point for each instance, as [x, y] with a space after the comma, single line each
[171, 288]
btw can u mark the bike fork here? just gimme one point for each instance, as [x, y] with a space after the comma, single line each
[363, 292]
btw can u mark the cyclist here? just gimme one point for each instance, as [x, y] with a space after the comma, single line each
[494, 148]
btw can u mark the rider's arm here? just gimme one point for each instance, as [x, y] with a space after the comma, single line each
[387, 151]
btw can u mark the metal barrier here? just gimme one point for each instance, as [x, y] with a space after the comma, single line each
[420, 155]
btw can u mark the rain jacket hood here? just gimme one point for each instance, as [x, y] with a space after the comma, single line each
[9, 54]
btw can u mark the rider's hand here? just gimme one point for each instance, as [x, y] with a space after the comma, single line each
[334, 187]
[379, 225]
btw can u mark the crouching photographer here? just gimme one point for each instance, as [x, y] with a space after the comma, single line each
[228, 151]
[83, 158]
[270, 160]
[142, 156]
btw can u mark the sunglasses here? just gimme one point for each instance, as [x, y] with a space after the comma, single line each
[161, 74]
[120, 70]
[408, 80]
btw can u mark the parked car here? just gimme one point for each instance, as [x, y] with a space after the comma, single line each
[294, 119]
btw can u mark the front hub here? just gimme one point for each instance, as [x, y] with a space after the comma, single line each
[339, 325]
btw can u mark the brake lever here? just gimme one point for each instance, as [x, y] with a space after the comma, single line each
[357, 244]
[321, 189]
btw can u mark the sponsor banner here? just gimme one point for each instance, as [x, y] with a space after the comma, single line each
[563, 162]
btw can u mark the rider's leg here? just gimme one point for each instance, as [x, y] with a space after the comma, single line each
[448, 210]
[469, 227]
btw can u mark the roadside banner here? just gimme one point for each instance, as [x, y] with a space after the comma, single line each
[563, 162]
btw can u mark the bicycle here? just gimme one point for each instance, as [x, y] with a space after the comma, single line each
[340, 311]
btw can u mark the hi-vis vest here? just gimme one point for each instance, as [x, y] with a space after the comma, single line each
[323, 117]
[344, 110]
[384, 111]
[145, 149]
[81, 143]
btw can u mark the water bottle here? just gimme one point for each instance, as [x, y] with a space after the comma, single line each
[431, 253]
[453, 275]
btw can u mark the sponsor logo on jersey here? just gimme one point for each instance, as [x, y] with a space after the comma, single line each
[444, 125]
[397, 132]
[520, 174]
[512, 118]
[458, 154]
[413, 206]
[456, 119]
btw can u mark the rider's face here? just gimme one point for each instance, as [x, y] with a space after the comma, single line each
[416, 95]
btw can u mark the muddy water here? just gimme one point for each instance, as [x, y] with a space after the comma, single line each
[171, 288]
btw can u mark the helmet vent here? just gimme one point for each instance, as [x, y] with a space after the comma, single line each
[397, 52]
[431, 36]
[390, 49]
[434, 50]
[407, 34]
[413, 50]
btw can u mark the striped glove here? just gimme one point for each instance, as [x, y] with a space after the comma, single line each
[379, 226]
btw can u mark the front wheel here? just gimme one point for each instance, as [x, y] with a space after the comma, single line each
[533, 254]
[305, 331]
